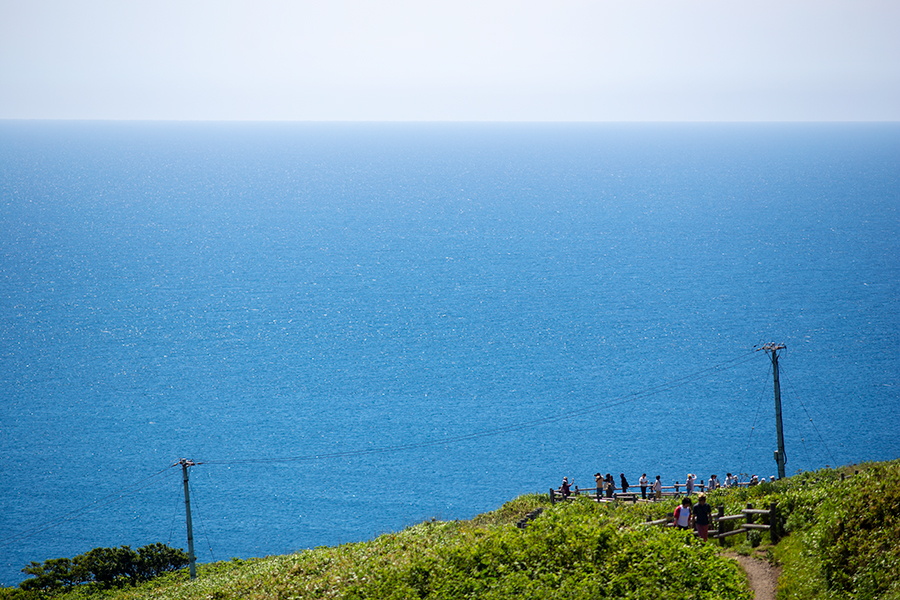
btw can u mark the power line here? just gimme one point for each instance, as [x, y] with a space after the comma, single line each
[759, 403]
[514, 427]
[202, 524]
[125, 492]
[132, 489]
[816, 429]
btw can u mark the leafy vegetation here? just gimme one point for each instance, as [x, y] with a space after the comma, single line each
[103, 567]
[842, 543]
[844, 531]
[577, 551]
[845, 537]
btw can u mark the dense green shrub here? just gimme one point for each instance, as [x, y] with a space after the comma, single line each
[156, 559]
[844, 535]
[860, 533]
[578, 550]
[53, 574]
[105, 567]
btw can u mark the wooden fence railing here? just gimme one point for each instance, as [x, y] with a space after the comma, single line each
[748, 515]
[675, 490]
[723, 523]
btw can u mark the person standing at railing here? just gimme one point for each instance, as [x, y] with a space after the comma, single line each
[690, 484]
[713, 483]
[624, 483]
[565, 488]
[643, 483]
[702, 514]
[598, 479]
[610, 486]
[657, 488]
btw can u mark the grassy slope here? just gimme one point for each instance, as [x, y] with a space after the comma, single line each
[843, 544]
[845, 536]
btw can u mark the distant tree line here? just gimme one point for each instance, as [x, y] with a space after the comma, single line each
[106, 567]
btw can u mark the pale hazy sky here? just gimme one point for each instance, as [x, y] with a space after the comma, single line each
[568, 60]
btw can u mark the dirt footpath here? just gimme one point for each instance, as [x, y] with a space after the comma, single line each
[762, 574]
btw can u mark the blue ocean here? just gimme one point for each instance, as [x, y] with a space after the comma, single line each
[352, 328]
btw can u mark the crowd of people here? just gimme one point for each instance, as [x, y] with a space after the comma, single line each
[687, 516]
[606, 485]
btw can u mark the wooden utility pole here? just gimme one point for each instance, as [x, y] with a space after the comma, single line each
[780, 458]
[187, 510]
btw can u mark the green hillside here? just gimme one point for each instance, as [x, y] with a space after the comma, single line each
[843, 542]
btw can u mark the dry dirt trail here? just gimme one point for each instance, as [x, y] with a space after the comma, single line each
[762, 574]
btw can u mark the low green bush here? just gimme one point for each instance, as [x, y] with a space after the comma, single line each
[576, 550]
[844, 535]
[104, 567]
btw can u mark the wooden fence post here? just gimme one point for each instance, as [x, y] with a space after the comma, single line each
[552, 497]
[721, 524]
[750, 518]
[773, 523]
